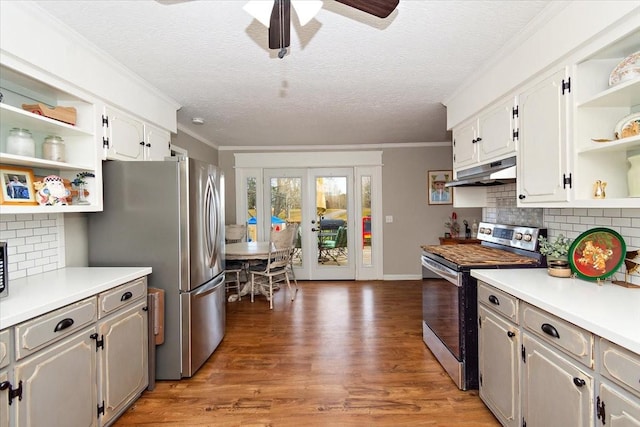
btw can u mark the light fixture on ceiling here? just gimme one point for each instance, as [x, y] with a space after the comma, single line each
[275, 15]
[197, 121]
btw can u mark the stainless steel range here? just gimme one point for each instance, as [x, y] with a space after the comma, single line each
[449, 301]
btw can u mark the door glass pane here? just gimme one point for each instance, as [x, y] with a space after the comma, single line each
[252, 206]
[332, 217]
[365, 190]
[286, 207]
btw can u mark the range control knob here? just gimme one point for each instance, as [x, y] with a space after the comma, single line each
[527, 237]
[518, 236]
[487, 231]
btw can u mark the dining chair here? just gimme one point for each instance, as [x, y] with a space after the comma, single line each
[234, 233]
[275, 270]
[287, 238]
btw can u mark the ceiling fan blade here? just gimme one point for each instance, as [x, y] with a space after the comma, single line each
[280, 24]
[379, 8]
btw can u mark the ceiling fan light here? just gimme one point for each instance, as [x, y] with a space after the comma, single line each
[306, 10]
[260, 10]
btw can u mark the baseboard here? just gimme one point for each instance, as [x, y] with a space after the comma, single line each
[402, 277]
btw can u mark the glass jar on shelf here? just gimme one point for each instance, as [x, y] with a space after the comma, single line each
[53, 149]
[21, 143]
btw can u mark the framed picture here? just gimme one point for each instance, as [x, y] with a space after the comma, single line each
[17, 186]
[437, 193]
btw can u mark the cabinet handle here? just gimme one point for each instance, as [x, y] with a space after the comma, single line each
[126, 296]
[579, 382]
[521, 196]
[494, 300]
[478, 139]
[550, 330]
[63, 324]
[511, 334]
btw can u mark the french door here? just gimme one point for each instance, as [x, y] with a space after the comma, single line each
[322, 192]
[321, 201]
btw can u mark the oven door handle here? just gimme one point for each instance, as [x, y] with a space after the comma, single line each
[446, 273]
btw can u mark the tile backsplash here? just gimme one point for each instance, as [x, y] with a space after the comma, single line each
[35, 243]
[567, 221]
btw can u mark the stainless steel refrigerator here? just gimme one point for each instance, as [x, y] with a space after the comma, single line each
[169, 215]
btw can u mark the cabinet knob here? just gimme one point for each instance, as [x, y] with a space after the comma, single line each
[142, 143]
[579, 382]
[511, 334]
[473, 141]
[478, 139]
[521, 196]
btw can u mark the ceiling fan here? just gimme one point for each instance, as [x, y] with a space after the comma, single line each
[276, 15]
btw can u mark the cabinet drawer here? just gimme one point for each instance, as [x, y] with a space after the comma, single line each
[5, 348]
[499, 301]
[575, 341]
[34, 334]
[620, 365]
[114, 299]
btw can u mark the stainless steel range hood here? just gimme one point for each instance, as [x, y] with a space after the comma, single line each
[494, 173]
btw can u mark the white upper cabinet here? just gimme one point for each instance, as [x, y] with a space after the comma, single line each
[542, 158]
[497, 125]
[128, 138]
[489, 136]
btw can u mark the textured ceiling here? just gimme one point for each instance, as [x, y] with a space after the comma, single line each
[349, 78]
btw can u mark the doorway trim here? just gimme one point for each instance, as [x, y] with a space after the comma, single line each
[364, 163]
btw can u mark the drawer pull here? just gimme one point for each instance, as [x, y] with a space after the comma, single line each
[579, 382]
[550, 330]
[126, 296]
[63, 324]
[511, 334]
[494, 300]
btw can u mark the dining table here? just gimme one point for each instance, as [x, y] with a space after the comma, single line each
[247, 252]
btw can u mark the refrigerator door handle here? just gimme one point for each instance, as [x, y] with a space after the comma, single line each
[211, 221]
[209, 288]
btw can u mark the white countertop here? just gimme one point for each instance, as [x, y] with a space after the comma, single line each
[35, 295]
[610, 311]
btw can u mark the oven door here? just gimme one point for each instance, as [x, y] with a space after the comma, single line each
[441, 326]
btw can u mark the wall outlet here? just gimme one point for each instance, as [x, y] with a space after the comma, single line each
[388, 219]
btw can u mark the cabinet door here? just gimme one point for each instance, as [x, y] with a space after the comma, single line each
[157, 143]
[495, 130]
[123, 360]
[4, 400]
[619, 411]
[542, 147]
[465, 152]
[555, 391]
[59, 384]
[125, 135]
[498, 345]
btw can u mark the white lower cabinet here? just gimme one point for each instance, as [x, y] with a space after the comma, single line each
[58, 384]
[555, 390]
[616, 409]
[539, 370]
[80, 365]
[499, 351]
[123, 360]
[4, 398]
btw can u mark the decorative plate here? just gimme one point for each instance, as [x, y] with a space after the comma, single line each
[628, 69]
[628, 126]
[597, 253]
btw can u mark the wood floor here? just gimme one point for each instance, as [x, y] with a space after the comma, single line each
[342, 354]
